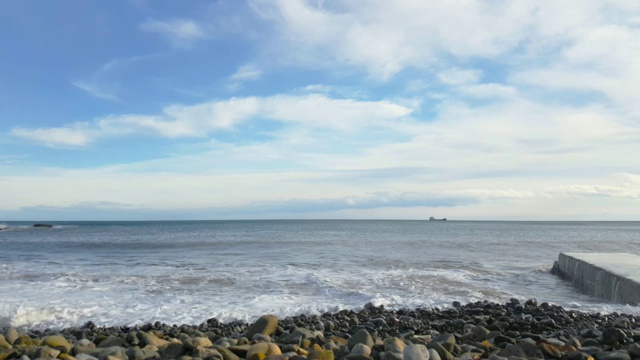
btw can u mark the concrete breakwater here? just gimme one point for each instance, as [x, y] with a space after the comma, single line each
[611, 276]
[473, 331]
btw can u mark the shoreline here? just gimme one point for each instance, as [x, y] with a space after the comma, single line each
[521, 329]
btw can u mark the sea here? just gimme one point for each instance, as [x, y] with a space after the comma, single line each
[185, 272]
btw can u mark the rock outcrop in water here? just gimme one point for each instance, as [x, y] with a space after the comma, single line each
[49, 226]
[473, 331]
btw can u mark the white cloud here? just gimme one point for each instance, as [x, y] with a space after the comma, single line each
[323, 112]
[246, 73]
[488, 90]
[316, 111]
[459, 76]
[104, 82]
[96, 90]
[76, 135]
[181, 33]
[319, 88]
[603, 59]
[620, 186]
[386, 37]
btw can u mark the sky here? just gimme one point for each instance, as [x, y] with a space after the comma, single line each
[312, 109]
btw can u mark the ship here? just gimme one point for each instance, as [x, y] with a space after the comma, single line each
[434, 219]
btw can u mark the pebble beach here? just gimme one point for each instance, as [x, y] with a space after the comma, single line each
[519, 329]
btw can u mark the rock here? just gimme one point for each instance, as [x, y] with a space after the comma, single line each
[46, 352]
[590, 343]
[85, 357]
[531, 302]
[192, 343]
[295, 339]
[150, 352]
[329, 325]
[469, 356]
[112, 341]
[496, 357]
[361, 349]
[11, 335]
[114, 352]
[357, 357]
[362, 336]
[8, 354]
[634, 350]
[57, 342]
[390, 355]
[317, 354]
[135, 353]
[240, 350]
[206, 353]
[4, 344]
[590, 333]
[226, 354]
[614, 355]
[574, 342]
[263, 349]
[43, 226]
[480, 333]
[339, 341]
[578, 355]
[433, 355]
[149, 338]
[512, 350]
[329, 355]
[445, 339]
[304, 333]
[622, 322]
[444, 354]
[266, 325]
[261, 337]
[394, 344]
[25, 340]
[549, 323]
[330, 345]
[613, 336]
[415, 352]
[531, 351]
[591, 350]
[501, 339]
[280, 357]
[173, 351]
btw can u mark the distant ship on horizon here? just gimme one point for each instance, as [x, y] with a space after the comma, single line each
[434, 219]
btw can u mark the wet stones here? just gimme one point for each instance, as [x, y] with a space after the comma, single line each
[362, 336]
[4, 344]
[266, 325]
[57, 342]
[479, 330]
[415, 352]
[11, 334]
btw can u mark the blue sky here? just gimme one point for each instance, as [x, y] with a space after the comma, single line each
[138, 109]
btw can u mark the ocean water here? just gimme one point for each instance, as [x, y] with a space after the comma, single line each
[128, 273]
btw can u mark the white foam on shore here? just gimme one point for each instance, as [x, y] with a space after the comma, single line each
[193, 297]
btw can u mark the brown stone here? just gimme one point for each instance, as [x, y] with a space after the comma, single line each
[265, 325]
[57, 342]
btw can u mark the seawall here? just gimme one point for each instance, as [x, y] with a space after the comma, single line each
[611, 276]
